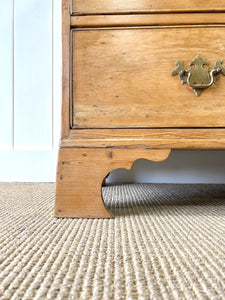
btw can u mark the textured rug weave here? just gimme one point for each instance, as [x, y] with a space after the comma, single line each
[166, 242]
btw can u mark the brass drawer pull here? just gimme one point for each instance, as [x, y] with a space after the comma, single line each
[199, 77]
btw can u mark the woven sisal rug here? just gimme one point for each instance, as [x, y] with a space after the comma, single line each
[166, 242]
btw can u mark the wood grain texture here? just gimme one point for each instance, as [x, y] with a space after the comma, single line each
[65, 122]
[122, 78]
[197, 138]
[160, 133]
[144, 6]
[80, 175]
[147, 19]
[125, 104]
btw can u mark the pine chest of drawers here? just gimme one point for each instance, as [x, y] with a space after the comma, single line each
[139, 78]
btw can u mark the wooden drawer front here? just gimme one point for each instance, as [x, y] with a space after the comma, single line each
[80, 7]
[121, 77]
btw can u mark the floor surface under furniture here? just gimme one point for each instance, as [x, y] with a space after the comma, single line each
[166, 242]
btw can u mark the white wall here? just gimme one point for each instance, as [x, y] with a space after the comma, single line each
[180, 167]
[30, 106]
[30, 99]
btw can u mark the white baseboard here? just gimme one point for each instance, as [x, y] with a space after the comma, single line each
[28, 166]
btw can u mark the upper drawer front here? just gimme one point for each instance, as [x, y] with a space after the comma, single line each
[134, 6]
[121, 77]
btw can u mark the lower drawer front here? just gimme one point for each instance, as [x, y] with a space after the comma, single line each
[121, 77]
[124, 6]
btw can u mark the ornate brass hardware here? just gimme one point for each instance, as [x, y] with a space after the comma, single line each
[199, 77]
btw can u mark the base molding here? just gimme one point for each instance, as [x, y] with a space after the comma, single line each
[163, 138]
[80, 174]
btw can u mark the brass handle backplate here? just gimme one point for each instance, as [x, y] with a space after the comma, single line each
[199, 77]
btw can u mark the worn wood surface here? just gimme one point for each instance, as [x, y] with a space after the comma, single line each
[65, 121]
[123, 103]
[147, 19]
[80, 175]
[143, 6]
[147, 138]
[122, 78]
[160, 133]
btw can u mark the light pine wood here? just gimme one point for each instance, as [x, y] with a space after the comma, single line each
[122, 78]
[134, 6]
[80, 175]
[159, 133]
[119, 100]
[65, 121]
[147, 138]
[147, 20]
